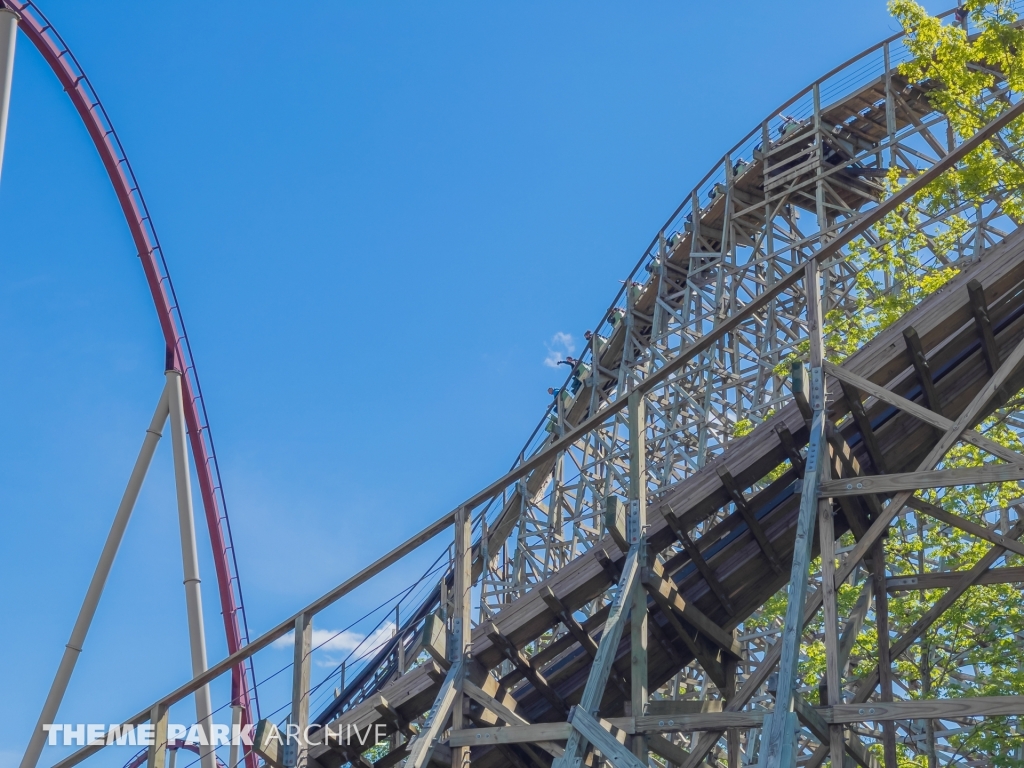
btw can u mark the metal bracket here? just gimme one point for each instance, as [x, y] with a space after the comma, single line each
[817, 393]
[633, 531]
[455, 644]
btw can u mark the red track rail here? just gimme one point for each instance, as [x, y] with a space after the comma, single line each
[75, 82]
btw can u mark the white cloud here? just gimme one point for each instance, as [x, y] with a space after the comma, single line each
[345, 641]
[561, 346]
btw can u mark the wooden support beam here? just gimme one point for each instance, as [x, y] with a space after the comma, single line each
[778, 739]
[637, 536]
[518, 734]
[662, 638]
[928, 709]
[979, 308]
[665, 588]
[949, 438]
[736, 494]
[754, 682]
[871, 680]
[424, 743]
[867, 433]
[699, 721]
[607, 648]
[565, 616]
[506, 713]
[157, 756]
[912, 481]
[394, 757]
[588, 727]
[966, 525]
[462, 585]
[615, 675]
[665, 748]
[827, 539]
[301, 661]
[884, 651]
[391, 716]
[921, 413]
[705, 656]
[844, 462]
[924, 375]
[854, 622]
[789, 446]
[268, 743]
[698, 560]
[434, 640]
[519, 660]
[949, 579]
[820, 729]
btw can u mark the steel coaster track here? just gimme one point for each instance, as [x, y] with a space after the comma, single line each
[41, 32]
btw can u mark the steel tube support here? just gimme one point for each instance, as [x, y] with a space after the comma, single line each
[8, 37]
[73, 649]
[189, 556]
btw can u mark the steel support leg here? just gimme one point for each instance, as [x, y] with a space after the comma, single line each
[99, 579]
[8, 38]
[189, 557]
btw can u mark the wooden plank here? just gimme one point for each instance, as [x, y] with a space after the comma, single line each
[1014, 575]
[966, 525]
[700, 721]
[517, 734]
[912, 481]
[661, 708]
[933, 709]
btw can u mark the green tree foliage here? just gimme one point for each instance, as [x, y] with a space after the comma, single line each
[976, 648]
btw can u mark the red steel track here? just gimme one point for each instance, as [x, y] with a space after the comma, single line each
[75, 82]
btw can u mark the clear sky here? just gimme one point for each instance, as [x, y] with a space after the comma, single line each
[382, 220]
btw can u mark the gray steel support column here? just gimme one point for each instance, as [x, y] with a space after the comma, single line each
[8, 38]
[189, 557]
[99, 579]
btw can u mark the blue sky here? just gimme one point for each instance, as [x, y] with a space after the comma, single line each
[382, 220]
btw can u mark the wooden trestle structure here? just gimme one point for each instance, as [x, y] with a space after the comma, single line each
[881, 436]
[561, 666]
